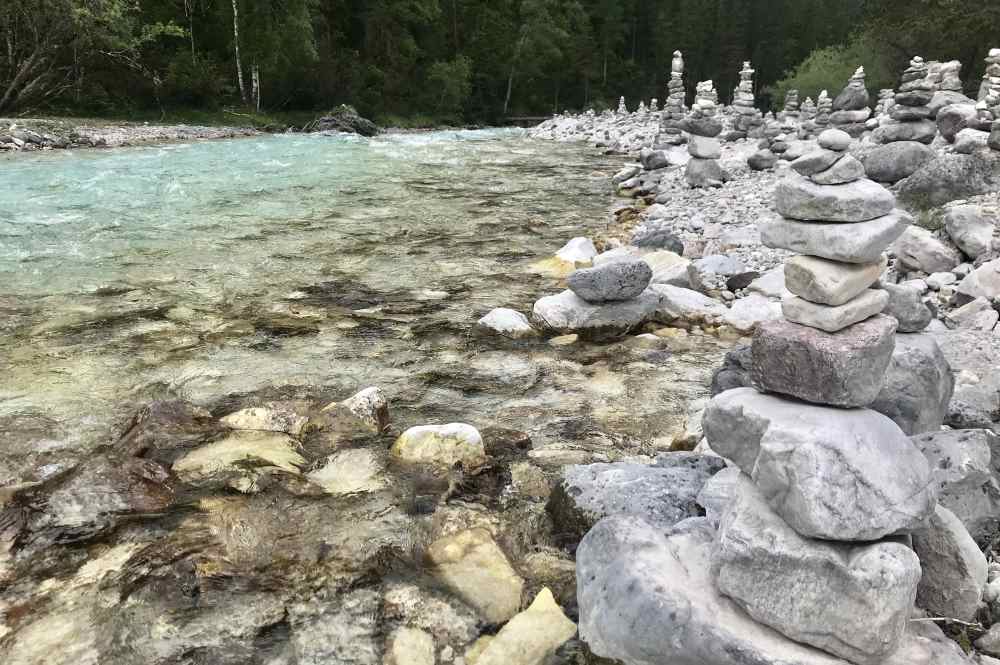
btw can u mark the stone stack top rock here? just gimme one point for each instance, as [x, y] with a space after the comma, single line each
[654, 105]
[611, 282]
[673, 109]
[824, 106]
[886, 100]
[677, 63]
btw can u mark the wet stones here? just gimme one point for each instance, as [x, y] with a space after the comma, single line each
[441, 446]
[611, 282]
[567, 313]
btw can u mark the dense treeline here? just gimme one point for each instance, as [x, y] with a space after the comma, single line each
[446, 59]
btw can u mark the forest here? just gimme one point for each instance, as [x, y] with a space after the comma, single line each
[455, 61]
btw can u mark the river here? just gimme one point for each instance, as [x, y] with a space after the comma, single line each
[230, 273]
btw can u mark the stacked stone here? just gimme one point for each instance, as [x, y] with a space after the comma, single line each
[673, 110]
[771, 146]
[948, 76]
[807, 127]
[824, 108]
[791, 108]
[748, 118]
[654, 105]
[622, 109]
[642, 110]
[910, 116]
[828, 485]
[704, 127]
[991, 77]
[850, 108]
[886, 100]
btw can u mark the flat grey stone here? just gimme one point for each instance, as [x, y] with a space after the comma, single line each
[823, 470]
[830, 282]
[918, 385]
[953, 118]
[971, 229]
[846, 368]
[969, 140]
[834, 139]
[962, 465]
[801, 199]
[954, 569]
[567, 313]
[851, 243]
[845, 171]
[921, 131]
[895, 161]
[850, 600]
[680, 304]
[815, 161]
[831, 319]
[648, 597]
[906, 305]
[704, 173]
[507, 323]
[712, 272]
[918, 249]
[704, 147]
[611, 282]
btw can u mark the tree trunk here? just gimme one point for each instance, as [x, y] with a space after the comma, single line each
[255, 87]
[513, 67]
[236, 44]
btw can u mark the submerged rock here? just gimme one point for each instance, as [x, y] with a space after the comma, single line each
[240, 459]
[284, 418]
[507, 323]
[531, 636]
[442, 446]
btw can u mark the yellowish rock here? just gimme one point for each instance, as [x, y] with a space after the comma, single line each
[442, 446]
[473, 566]
[473, 653]
[352, 471]
[409, 646]
[268, 449]
[531, 636]
[370, 406]
[564, 340]
[278, 418]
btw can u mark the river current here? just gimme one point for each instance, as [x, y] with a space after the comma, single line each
[229, 273]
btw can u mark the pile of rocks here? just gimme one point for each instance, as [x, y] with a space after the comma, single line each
[790, 112]
[622, 109]
[911, 114]
[748, 119]
[991, 75]
[886, 100]
[704, 127]
[808, 117]
[824, 109]
[770, 148]
[674, 109]
[850, 108]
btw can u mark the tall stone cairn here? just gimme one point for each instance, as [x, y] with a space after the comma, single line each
[807, 126]
[622, 109]
[991, 77]
[910, 117]
[886, 100]
[673, 109]
[654, 105]
[804, 427]
[948, 76]
[824, 108]
[704, 127]
[748, 119]
[790, 111]
[850, 108]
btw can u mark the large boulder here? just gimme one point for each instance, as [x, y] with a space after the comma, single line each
[962, 465]
[951, 177]
[344, 118]
[611, 282]
[954, 570]
[971, 229]
[863, 242]
[918, 385]
[851, 600]
[983, 282]
[662, 494]
[919, 249]
[922, 131]
[799, 198]
[845, 368]
[894, 161]
[954, 118]
[648, 597]
[823, 469]
[567, 313]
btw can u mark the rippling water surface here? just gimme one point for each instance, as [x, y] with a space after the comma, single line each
[236, 273]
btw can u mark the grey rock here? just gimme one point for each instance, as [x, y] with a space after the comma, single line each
[680, 304]
[922, 131]
[851, 99]
[799, 198]
[863, 242]
[649, 598]
[735, 371]
[846, 118]
[954, 118]
[845, 171]
[895, 161]
[762, 160]
[990, 642]
[962, 466]
[507, 323]
[849, 600]
[904, 113]
[926, 644]
[918, 385]
[971, 229]
[662, 495]
[834, 318]
[976, 315]
[834, 139]
[652, 160]
[653, 237]
[919, 249]
[704, 173]
[951, 177]
[701, 126]
[794, 452]
[945, 98]
[954, 570]
[914, 98]
[829, 282]
[969, 140]
[983, 282]
[907, 307]
[567, 313]
[846, 368]
[611, 282]
[704, 147]
[816, 161]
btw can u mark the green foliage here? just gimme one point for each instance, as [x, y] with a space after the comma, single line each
[451, 83]
[830, 68]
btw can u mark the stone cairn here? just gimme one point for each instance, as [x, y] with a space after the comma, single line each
[773, 139]
[704, 127]
[622, 109]
[673, 109]
[790, 112]
[654, 105]
[748, 119]
[947, 76]
[808, 118]
[991, 77]
[989, 98]
[850, 108]
[886, 100]
[910, 116]
[824, 108]
[805, 424]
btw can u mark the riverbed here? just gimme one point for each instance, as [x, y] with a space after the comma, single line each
[292, 267]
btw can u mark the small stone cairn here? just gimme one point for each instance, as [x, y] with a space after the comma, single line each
[773, 139]
[989, 98]
[673, 108]
[654, 105]
[910, 116]
[622, 109]
[850, 108]
[790, 111]
[886, 100]
[808, 117]
[748, 120]
[813, 375]
[947, 76]
[991, 77]
[704, 127]
[824, 108]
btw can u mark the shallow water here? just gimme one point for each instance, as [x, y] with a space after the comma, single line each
[230, 273]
